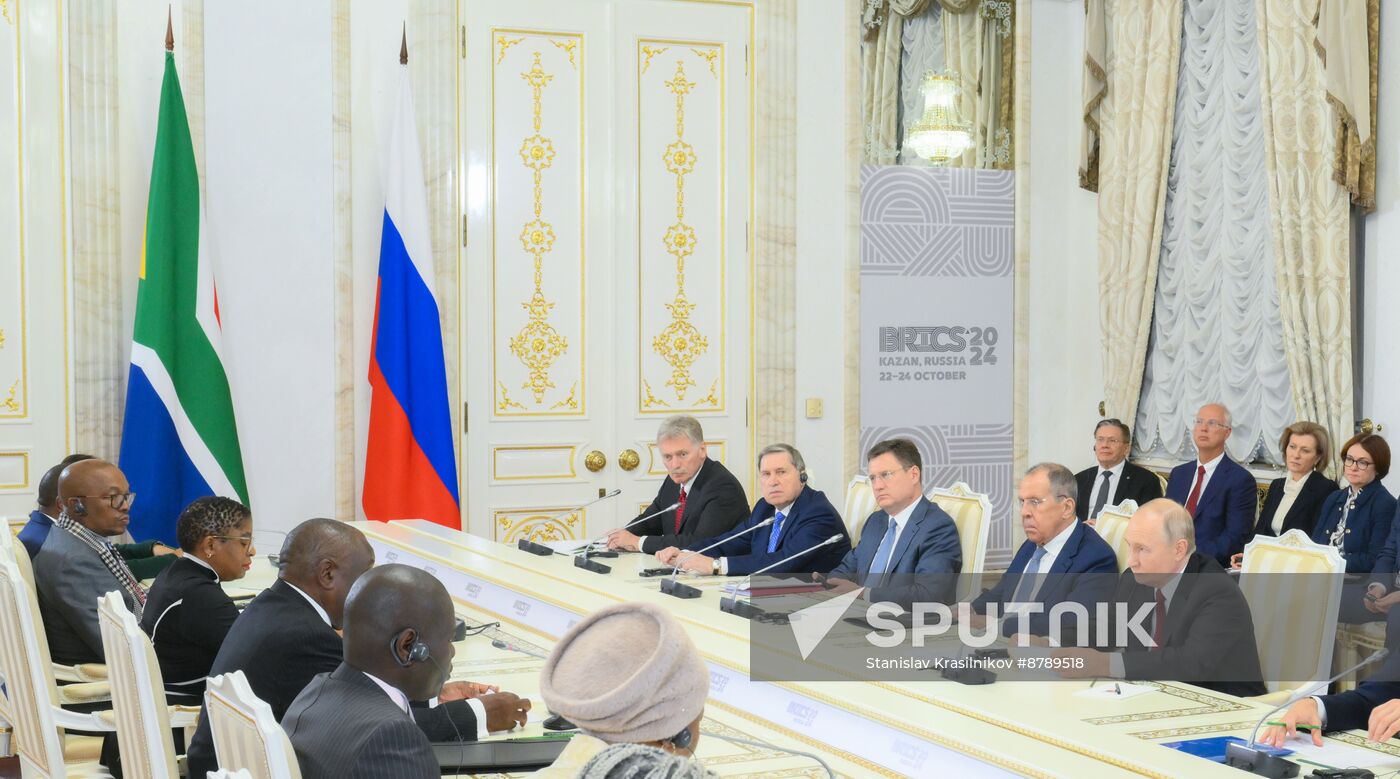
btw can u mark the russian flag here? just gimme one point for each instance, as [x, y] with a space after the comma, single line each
[410, 465]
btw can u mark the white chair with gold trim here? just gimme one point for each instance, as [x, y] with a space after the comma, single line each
[970, 512]
[33, 695]
[1293, 587]
[222, 774]
[860, 504]
[246, 735]
[1112, 526]
[138, 694]
[84, 672]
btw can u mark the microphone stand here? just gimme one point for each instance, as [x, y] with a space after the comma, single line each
[678, 589]
[526, 545]
[746, 609]
[597, 567]
[1248, 757]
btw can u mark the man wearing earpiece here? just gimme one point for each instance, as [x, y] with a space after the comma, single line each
[802, 518]
[77, 565]
[356, 721]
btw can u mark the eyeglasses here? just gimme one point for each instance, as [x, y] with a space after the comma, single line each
[120, 501]
[1209, 424]
[1036, 503]
[1098, 440]
[1352, 462]
[246, 541]
[884, 476]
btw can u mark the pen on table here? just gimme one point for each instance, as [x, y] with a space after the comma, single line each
[1295, 727]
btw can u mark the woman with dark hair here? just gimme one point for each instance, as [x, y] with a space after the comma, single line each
[187, 612]
[1356, 519]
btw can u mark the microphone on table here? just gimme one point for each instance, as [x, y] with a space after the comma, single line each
[732, 604]
[526, 545]
[594, 565]
[1248, 757]
[682, 590]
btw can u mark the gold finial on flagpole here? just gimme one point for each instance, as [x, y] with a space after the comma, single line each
[403, 46]
[169, 30]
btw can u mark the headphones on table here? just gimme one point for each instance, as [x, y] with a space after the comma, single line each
[417, 651]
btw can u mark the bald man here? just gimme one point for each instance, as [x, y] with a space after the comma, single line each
[287, 636]
[77, 565]
[356, 721]
[1199, 624]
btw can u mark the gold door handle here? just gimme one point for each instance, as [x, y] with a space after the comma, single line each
[595, 461]
[628, 459]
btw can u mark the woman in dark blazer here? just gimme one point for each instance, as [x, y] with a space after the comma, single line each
[1307, 450]
[1357, 518]
[187, 612]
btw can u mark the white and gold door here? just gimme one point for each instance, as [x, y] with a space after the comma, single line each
[607, 154]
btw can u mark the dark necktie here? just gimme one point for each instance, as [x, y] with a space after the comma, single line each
[1103, 495]
[1159, 623]
[1196, 490]
[680, 511]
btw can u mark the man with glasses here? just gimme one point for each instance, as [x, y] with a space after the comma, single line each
[77, 565]
[1114, 479]
[1219, 493]
[909, 550]
[146, 559]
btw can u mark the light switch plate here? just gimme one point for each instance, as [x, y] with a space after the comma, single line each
[814, 408]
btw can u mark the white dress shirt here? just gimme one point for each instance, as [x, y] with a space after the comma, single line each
[1292, 488]
[1112, 486]
[395, 694]
[1052, 548]
[319, 611]
[203, 564]
[1168, 590]
[1210, 471]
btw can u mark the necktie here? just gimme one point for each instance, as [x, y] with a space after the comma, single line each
[1025, 589]
[680, 510]
[1103, 495]
[1196, 490]
[884, 552]
[1159, 623]
[777, 528]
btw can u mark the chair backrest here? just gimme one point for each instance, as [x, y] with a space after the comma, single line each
[246, 735]
[860, 504]
[1298, 636]
[138, 692]
[971, 513]
[1112, 525]
[29, 684]
[222, 774]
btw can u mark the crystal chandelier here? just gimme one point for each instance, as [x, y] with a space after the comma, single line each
[941, 134]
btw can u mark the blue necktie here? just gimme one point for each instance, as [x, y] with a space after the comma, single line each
[1025, 589]
[777, 528]
[885, 551]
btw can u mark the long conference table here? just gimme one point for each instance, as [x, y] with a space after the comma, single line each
[933, 728]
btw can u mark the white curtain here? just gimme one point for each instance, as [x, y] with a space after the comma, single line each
[923, 51]
[1216, 330]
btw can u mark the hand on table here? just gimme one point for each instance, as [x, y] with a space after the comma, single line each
[162, 549]
[624, 541]
[1237, 560]
[456, 691]
[1385, 721]
[698, 563]
[1303, 712]
[668, 555]
[840, 586]
[505, 710]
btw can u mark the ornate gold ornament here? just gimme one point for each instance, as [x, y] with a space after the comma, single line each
[505, 403]
[9, 402]
[628, 459]
[537, 528]
[709, 56]
[538, 344]
[568, 47]
[503, 43]
[680, 343]
[570, 402]
[649, 52]
[595, 461]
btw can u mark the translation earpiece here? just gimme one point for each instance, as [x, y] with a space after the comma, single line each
[79, 508]
[683, 739]
[417, 651]
[802, 477]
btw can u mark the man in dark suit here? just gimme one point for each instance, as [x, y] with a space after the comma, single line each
[909, 551]
[1061, 560]
[1374, 706]
[1218, 493]
[1198, 628]
[77, 565]
[709, 501]
[1114, 479]
[802, 518]
[356, 721]
[287, 635]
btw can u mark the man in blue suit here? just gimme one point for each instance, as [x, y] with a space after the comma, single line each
[1374, 705]
[1219, 493]
[1061, 560]
[802, 518]
[909, 551]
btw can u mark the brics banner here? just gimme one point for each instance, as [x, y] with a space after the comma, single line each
[936, 317]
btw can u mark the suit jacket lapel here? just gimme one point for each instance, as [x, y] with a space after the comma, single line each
[906, 536]
[1123, 479]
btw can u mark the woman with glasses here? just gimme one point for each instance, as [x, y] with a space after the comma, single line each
[1356, 519]
[187, 612]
